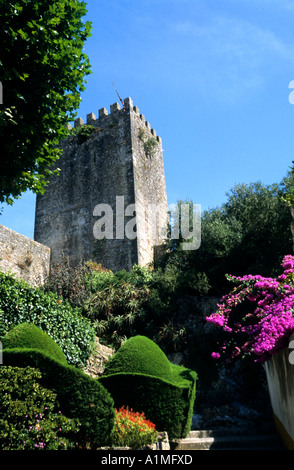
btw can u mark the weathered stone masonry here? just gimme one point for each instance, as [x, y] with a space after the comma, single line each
[23, 257]
[121, 157]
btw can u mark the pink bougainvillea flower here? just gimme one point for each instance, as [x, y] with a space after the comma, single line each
[270, 320]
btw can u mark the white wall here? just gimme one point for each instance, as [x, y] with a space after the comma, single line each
[280, 378]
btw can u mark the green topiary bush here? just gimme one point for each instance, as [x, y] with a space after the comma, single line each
[140, 376]
[140, 355]
[79, 395]
[27, 335]
[21, 303]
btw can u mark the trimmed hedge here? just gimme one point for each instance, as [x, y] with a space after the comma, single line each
[79, 395]
[140, 354]
[22, 303]
[167, 403]
[27, 335]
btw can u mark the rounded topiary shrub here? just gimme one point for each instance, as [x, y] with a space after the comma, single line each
[27, 335]
[141, 355]
[140, 376]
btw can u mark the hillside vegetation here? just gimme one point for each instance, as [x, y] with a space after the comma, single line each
[52, 328]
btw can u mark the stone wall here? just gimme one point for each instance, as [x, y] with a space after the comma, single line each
[119, 164]
[24, 257]
[150, 187]
[96, 363]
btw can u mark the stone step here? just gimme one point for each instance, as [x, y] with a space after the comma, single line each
[213, 440]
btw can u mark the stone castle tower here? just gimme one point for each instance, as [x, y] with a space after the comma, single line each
[109, 203]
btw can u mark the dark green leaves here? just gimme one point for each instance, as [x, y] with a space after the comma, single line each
[42, 69]
[20, 303]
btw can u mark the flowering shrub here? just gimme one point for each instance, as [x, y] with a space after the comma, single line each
[132, 429]
[258, 314]
[29, 417]
[46, 431]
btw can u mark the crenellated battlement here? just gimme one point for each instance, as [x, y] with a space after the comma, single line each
[106, 170]
[115, 108]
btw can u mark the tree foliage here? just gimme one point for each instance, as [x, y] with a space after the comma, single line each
[42, 70]
[249, 233]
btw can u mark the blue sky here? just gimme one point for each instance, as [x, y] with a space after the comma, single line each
[211, 77]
